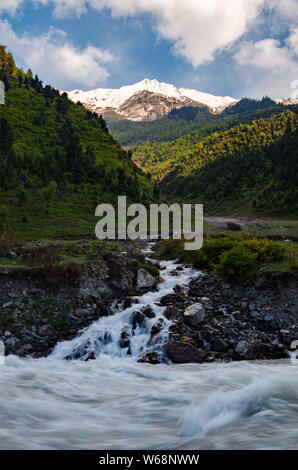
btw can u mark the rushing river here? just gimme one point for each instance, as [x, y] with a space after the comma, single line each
[114, 402]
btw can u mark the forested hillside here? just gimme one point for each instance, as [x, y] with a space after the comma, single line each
[57, 160]
[251, 167]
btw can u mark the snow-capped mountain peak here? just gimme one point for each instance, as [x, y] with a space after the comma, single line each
[103, 99]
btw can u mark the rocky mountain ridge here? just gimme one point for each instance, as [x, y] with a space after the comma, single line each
[147, 100]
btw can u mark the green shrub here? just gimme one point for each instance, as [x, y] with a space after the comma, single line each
[230, 256]
[213, 249]
[267, 250]
[237, 262]
[153, 270]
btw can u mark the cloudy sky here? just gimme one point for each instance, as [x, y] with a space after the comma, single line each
[225, 47]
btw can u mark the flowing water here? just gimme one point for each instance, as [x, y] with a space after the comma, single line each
[114, 402]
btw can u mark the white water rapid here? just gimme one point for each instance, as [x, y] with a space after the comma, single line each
[114, 402]
[102, 337]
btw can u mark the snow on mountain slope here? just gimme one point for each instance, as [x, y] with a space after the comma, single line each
[113, 99]
[287, 102]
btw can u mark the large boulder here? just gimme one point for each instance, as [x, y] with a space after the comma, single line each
[145, 280]
[195, 314]
[182, 353]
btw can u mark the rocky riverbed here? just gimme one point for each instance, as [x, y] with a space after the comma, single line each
[41, 307]
[214, 321]
[204, 321]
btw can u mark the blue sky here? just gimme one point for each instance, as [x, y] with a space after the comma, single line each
[225, 47]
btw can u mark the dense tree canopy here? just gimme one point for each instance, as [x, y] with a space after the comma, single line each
[253, 165]
[45, 137]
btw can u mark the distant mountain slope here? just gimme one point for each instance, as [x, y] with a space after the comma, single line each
[148, 106]
[182, 121]
[132, 101]
[249, 167]
[58, 161]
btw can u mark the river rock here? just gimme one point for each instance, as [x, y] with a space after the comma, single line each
[137, 318]
[155, 330]
[188, 340]
[220, 345]
[11, 342]
[150, 357]
[195, 314]
[243, 348]
[124, 343]
[6, 304]
[172, 299]
[145, 280]
[254, 314]
[182, 353]
[157, 327]
[148, 312]
[28, 348]
[46, 330]
[202, 344]
[234, 227]
[268, 318]
[127, 302]
[171, 313]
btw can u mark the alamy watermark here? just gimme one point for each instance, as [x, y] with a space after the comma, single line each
[138, 222]
[2, 92]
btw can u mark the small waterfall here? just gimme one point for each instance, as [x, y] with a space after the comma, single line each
[119, 335]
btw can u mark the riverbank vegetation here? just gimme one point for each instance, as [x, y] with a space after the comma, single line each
[234, 256]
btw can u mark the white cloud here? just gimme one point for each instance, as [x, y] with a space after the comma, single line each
[266, 54]
[64, 8]
[53, 57]
[285, 8]
[10, 6]
[293, 40]
[198, 28]
[268, 67]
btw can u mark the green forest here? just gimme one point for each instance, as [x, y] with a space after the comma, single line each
[57, 160]
[249, 168]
